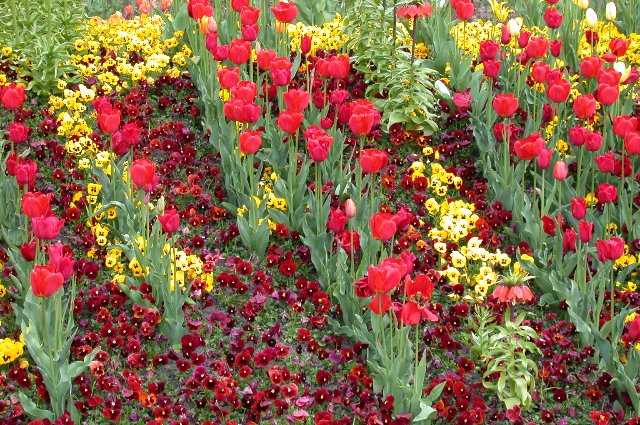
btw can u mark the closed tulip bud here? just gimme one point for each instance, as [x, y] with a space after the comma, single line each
[350, 208]
[203, 24]
[591, 18]
[560, 170]
[610, 11]
[582, 4]
[514, 25]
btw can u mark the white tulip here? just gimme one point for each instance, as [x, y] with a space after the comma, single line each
[442, 88]
[591, 17]
[623, 69]
[610, 11]
[514, 25]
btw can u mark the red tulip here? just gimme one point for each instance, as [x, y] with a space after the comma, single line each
[306, 42]
[264, 58]
[585, 229]
[362, 119]
[558, 90]
[296, 100]
[462, 100]
[552, 17]
[60, 261]
[238, 5]
[590, 67]
[382, 226]
[239, 51]
[606, 162]
[36, 204]
[143, 174]
[280, 71]
[170, 220]
[372, 160]
[337, 220]
[544, 158]
[250, 141]
[199, 8]
[28, 250]
[285, 11]
[560, 170]
[607, 94]
[536, 47]
[606, 193]
[584, 106]
[622, 124]
[593, 141]
[250, 32]
[289, 122]
[505, 104]
[528, 148]
[350, 208]
[228, 77]
[318, 143]
[489, 49]
[337, 67]
[632, 142]
[44, 281]
[25, 172]
[349, 241]
[491, 68]
[609, 76]
[578, 208]
[46, 227]
[249, 15]
[464, 9]
[569, 239]
[578, 135]
[610, 249]
[109, 120]
[555, 47]
[618, 46]
[12, 96]
[237, 110]
[548, 225]
[17, 132]
[539, 72]
[384, 277]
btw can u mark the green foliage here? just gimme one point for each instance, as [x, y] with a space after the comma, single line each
[506, 350]
[316, 12]
[41, 33]
[401, 86]
[105, 8]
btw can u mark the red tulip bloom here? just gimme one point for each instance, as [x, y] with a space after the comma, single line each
[47, 227]
[250, 142]
[618, 46]
[585, 229]
[578, 208]
[412, 313]
[285, 11]
[505, 104]
[555, 47]
[622, 124]
[25, 172]
[539, 72]
[170, 220]
[552, 17]
[349, 241]
[363, 117]
[544, 158]
[12, 96]
[569, 239]
[228, 77]
[632, 143]
[36, 204]
[372, 160]
[249, 15]
[491, 68]
[548, 225]
[383, 228]
[606, 193]
[238, 5]
[199, 8]
[306, 41]
[590, 67]
[464, 9]
[239, 51]
[264, 58]
[17, 132]
[607, 94]
[280, 71]
[109, 120]
[584, 106]
[60, 261]
[488, 49]
[318, 143]
[28, 250]
[593, 141]
[289, 122]
[143, 174]
[462, 100]
[237, 110]
[44, 281]
[337, 220]
[296, 100]
[528, 148]
[337, 67]
[558, 90]
[536, 47]
[610, 249]
[245, 91]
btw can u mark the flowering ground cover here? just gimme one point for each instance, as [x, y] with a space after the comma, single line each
[319, 212]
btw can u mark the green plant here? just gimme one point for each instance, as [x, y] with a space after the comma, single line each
[506, 351]
[401, 85]
[41, 33]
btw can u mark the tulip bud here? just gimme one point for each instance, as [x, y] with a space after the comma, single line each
[442, 89]
[610, 11]
[623, 70]
[350, 208]
[203, 23]
[560, 170]
[514, 25]
[591, 18]
[212, 26]
[582, 4]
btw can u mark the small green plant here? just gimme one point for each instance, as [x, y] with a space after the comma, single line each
[505, 352]
[41, 34]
